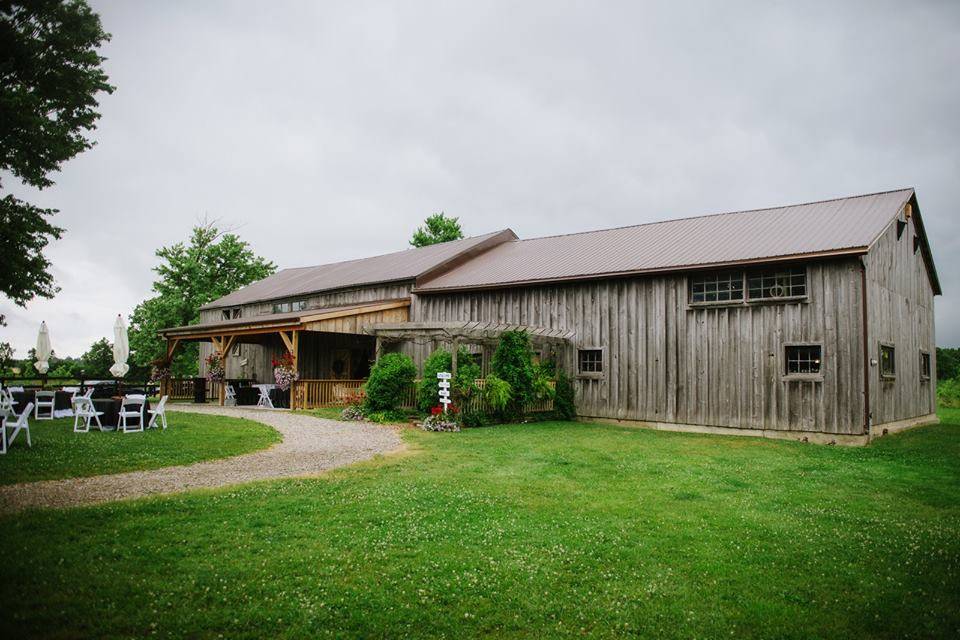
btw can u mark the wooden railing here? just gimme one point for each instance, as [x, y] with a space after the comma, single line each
[177, 388]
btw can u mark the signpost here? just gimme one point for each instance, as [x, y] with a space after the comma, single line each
[444, 385]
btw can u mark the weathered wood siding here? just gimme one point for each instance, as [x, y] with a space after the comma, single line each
[259, 357]
[900, 303]
[667, 362]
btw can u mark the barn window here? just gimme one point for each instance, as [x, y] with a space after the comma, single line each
[888, 361]
[803, 359]
[590, 361]
[285, 307]
[230, 314]
[777, 283]
[924, 365]
[719, 286]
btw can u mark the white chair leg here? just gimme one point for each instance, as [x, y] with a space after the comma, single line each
[29, 444]
[3, 438]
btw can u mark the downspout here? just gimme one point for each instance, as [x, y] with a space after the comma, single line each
[866, 349]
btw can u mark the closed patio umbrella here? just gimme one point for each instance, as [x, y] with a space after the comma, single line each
[43, 349]
[121, 349]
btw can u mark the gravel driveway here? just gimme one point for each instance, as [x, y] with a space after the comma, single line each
[310, 446]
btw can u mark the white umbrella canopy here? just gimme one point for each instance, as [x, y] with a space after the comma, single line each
[121, 349]
[43, 349]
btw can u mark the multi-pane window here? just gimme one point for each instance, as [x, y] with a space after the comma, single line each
[230, 314]
[924, 365]
[888, 361]
[777, 283]
[720, 286]
[803, 359]
[285, 307]
[590, 361]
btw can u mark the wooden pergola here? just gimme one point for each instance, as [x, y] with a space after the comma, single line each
[457, 333]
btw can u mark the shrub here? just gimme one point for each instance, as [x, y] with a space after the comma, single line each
[473, 419]
[464, 385]
[388, 416]
[497, 393]
[353, 412]
[513, 363]
[948, 393]
[389, 381]
[439, 422]
[563, 404]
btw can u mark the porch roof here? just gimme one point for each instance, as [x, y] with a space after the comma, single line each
[324, 319]
[467, 331]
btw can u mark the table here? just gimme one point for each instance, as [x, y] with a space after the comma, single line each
[61, 399]
[249, 395]
[111, 412]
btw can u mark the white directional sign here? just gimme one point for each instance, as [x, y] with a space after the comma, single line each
[444, 384]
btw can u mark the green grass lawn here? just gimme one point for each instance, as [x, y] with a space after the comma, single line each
[58, 452]
[539, 530]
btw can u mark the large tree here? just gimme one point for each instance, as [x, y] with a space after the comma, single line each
[210, 265]
[437, 228]
[50, 74]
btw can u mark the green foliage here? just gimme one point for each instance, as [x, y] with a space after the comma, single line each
[98, 359]
[513, 363]
[563, 401]
[948, 363]
[390, 416]
[211, 265]
[437, 228]
[389, 382]
[948, 393]
[463, 385]
[50, 74]
[497, 393]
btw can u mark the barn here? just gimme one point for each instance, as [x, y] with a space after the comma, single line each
[811, 321]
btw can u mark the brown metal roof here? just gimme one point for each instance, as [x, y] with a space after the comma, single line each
[844, 225]
[392, 267]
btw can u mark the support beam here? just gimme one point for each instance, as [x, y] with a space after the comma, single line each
[171, 347]
[287, 340]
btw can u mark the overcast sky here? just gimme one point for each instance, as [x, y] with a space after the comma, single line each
[326, 131]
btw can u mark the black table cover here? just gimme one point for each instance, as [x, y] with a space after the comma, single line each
[111, 412]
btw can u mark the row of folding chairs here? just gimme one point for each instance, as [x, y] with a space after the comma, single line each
[131, 414]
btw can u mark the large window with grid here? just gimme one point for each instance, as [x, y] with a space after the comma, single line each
[590, 362]
[803, 359]
[719, 286]
[777, 283]
[888, 361]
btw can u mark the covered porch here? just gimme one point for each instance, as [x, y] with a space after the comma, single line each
[329, 348]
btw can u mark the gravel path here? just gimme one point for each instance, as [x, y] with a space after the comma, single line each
[310, 446]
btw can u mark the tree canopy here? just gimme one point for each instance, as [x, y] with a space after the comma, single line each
[437, 228]
[210, 265]
[50, 74]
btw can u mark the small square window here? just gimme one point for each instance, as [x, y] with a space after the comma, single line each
[924, 365]
[803, 359]
[888, 361]
[590, 361]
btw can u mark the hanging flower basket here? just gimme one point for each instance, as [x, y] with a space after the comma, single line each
[215, 368]
[284, 371]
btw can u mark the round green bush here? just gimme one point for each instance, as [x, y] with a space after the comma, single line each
[389, 382]
[513, 363]
[440, 360]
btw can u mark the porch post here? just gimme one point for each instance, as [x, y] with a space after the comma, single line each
[294, 395]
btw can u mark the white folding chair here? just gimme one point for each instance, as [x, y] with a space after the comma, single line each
[22, 423]
[6, 404]
[126, 413]
[230, 399]
[44, 401]
[85, 411]
[264, 400]
[160, 411]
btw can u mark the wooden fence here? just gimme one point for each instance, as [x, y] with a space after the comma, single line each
[313, 394]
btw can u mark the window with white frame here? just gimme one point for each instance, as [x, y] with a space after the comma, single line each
[718, 286]
[777, 283]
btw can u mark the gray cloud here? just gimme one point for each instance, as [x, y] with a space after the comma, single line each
[327, 131]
